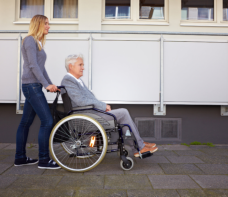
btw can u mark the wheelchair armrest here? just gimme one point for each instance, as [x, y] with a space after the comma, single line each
[84, 107]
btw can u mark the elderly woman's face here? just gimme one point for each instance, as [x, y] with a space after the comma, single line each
[77, 68]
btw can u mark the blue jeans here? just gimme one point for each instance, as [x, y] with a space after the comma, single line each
[35, 103]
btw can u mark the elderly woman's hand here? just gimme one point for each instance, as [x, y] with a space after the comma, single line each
[108, 108]
[52, 88]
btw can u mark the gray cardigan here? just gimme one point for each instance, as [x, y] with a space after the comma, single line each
[34, 60]
[80, 96]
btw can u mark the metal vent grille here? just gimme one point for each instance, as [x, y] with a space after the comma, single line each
[146, 128]
[169, 129]
[159, 129]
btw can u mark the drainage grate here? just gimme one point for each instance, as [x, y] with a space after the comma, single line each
[169, 129]
[146, 128]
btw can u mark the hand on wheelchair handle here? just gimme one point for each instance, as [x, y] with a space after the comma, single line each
[55, 91]
[52, 88]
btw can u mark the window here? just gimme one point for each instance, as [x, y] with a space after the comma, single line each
[225, 10]
[197, 10]
[151, 9]
[117, 9]
[57, 11]
[65, 9]
[30, 8]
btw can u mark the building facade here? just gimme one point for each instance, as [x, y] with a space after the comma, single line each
[173, 85]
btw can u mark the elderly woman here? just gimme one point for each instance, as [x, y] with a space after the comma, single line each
[33, 79]
[81, 96]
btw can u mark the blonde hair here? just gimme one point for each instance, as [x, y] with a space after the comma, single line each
[36, 29]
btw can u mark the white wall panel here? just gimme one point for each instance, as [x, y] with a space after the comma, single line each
[126, 70]
[195, 72]
[8, 70]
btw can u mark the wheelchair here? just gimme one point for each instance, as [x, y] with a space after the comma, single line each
[79, 141]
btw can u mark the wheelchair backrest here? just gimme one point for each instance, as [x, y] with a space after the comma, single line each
[66, 102]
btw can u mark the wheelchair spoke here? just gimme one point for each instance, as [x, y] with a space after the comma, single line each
[65, 133]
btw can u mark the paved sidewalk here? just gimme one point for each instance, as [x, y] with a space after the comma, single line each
[174, 170]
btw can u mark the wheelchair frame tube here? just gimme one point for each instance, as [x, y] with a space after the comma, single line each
[135, 141]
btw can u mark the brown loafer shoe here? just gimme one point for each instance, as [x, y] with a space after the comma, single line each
[146, 149]
[150, 145]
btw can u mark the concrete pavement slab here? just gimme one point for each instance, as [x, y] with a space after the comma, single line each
[216, 159]
[189, 152]
[145, 169]
[211, 181]
[180, 169]
[106, 169]
[48, 193]
[172, 182]
[165, 153]
[6, 181]
[7, 152]
[4, 167]
[160, 147]
[10, 147]
[216, 192]
[152, 159]
[191, 192]
[3, 145]
[184, 159]
[108, 179]
[80, 182]
[9, 159]
[127, 182]
[221, 145]
[176, 147]
[214, 168]
[216, 151]
[111, 158]
[36, 182]
[2, 157]
[198, 147]
[100, 193]
[23, 170]
[152, 193]
[61, 172]
[10, 192]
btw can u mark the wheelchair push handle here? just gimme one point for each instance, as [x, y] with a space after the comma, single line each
[59, 87]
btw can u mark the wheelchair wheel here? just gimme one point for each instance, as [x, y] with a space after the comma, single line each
[78, 143]
[125, 166]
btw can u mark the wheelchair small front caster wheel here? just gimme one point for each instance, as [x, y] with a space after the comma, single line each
[128, 166]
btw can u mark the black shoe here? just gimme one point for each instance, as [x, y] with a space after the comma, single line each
[48, 164]
[25, 161]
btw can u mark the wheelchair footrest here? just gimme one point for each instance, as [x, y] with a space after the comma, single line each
[146, 154]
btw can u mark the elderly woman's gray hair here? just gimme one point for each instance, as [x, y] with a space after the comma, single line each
[71, 59]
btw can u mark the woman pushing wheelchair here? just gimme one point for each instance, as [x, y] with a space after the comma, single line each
[35, 77]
